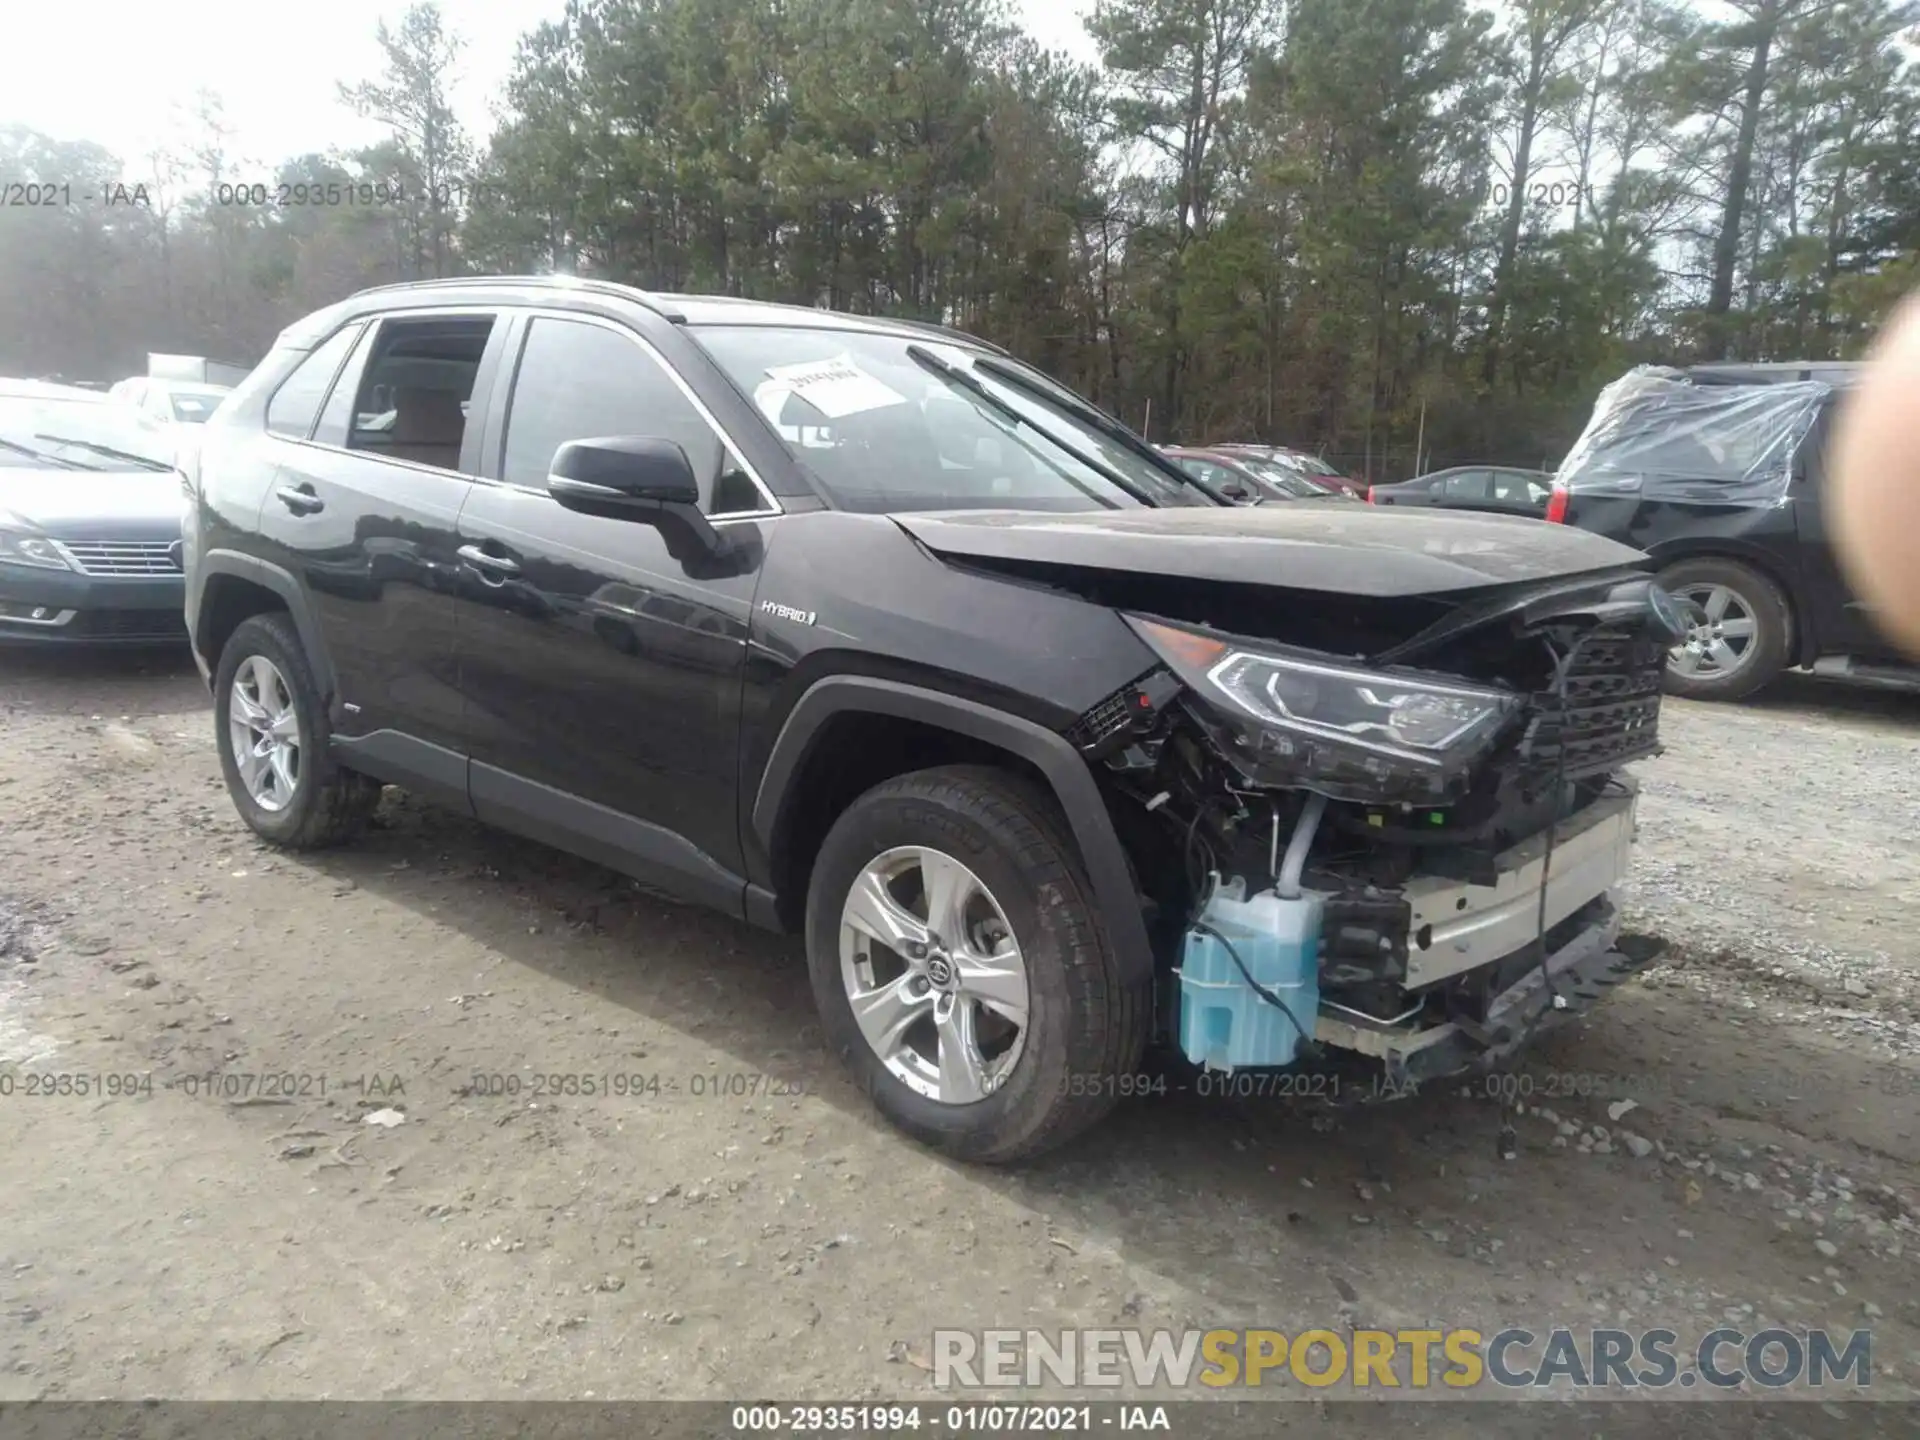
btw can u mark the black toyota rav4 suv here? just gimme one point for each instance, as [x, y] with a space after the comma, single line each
[862, 629]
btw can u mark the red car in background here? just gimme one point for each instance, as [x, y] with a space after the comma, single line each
[1311, 466]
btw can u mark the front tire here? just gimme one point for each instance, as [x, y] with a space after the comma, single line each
[272, 728]
[1739, 632]
[961, 970]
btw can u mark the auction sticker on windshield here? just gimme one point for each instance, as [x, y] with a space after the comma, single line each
[836, 387]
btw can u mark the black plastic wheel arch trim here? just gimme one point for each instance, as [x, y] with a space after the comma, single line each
[282, 583]
[1066, 774]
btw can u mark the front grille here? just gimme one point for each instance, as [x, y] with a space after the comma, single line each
[132, 624]
[124, 557]
[1610, 713]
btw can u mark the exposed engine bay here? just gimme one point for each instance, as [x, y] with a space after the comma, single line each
[1395, 844]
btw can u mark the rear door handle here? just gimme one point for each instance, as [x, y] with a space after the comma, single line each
[496, 564]
[300, 499]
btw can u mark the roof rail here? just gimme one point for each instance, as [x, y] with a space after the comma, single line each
[662, 302]
[1775, 364]
[554, 282]
[1764, 372]
[954, 333]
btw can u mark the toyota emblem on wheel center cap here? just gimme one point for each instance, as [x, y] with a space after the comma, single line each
[940, 971]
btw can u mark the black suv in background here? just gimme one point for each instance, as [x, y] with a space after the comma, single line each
[1717, 471]
[862, 629]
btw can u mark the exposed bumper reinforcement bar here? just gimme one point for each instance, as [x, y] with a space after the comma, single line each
[1583, 971]
[1458, 927]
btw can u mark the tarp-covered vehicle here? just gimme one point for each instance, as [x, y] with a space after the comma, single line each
[1717, 471]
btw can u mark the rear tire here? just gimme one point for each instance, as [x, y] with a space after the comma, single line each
[1000, 843]
[1737, 615]
[272, 729]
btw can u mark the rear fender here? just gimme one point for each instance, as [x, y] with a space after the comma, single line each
[285, 587]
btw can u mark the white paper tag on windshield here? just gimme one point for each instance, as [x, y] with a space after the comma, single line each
[836, 387]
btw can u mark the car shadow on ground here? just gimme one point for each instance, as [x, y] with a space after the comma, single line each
[1262, 1198]
[1820, 695]
[746, 993]
[102, 671]
[1302, 1180]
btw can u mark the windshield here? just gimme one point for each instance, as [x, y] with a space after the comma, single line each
[1220, 477]
[1286, 479]
[77, 435]
[886, 423]
[193, 407]
[1217, 479]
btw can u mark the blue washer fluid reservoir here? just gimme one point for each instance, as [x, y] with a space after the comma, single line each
[1224, 1024]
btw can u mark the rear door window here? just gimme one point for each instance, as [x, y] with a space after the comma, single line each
[412, 398]
[1513, 488]
[1467, 485]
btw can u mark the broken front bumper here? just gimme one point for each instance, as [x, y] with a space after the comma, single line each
[1458, 928]
[1581, 972]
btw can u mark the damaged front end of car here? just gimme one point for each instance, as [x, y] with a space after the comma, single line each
[1396, 862]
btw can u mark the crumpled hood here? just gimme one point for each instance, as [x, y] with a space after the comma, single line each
[94, 505]
[1339, 549]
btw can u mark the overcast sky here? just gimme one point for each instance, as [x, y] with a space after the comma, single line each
[118, 72]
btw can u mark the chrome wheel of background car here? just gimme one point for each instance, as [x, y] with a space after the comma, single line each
[1720, 632]
[934, 975]
[264, 731]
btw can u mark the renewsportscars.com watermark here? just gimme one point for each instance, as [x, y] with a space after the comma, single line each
[1770, 1362]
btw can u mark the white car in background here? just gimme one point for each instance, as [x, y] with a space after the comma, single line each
[176, 409]
[136, 432]
[170, 402]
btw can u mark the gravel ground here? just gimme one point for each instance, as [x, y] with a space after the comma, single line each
[739, 1224]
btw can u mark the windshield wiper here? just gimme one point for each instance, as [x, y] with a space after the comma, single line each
[954, 375]
[40, 455]
[1108, 427]
[146, 461]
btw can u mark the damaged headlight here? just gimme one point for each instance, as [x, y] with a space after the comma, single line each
[1415, 720]
[1363, 730]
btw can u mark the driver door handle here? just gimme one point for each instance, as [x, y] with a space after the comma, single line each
[300, 499]
[495, 564]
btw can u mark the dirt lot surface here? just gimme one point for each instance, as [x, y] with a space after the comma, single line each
[738, 1223]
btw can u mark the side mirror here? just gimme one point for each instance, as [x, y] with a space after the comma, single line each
[628, 477]
[615, 469]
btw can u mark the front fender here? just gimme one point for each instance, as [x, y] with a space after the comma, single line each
[1066, 773]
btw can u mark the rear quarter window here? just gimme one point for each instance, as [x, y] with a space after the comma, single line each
[296, 403]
